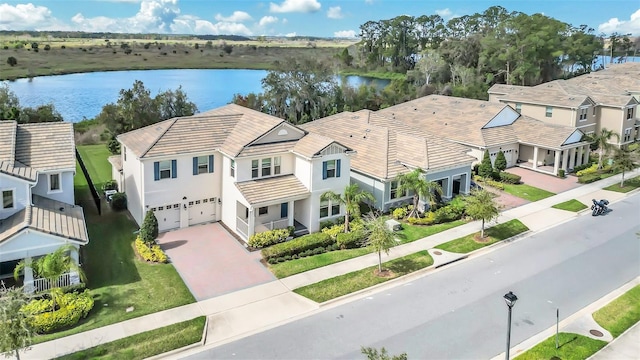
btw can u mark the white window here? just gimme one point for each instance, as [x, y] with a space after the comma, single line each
[326, 207]
[548, 111]
[266, 167]
[276, 165]
[263, 210]
[7, 199]
[232, 169]
[331, 169]
[582, 116]
[394, 191]
[335, 209]
[630, 113]
[165, 169]
[254, 168]
[54, 182]
[203, 164]
[627, 135]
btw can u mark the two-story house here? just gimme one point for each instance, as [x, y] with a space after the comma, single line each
[251, 171]
[383, 152]
[604, 99]
[38, 215]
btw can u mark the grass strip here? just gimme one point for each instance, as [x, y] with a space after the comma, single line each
[630, 184]
[527, 192]
[494, 234]
[410, 233]
[620, 314]
[345, 284]
[572, 346]
[570, 205]
[146, 344]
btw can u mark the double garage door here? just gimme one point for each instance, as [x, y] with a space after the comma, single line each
[168, 217]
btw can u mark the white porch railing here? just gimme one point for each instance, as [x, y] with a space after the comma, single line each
[40, 284]
[277, 224]
[242, 227]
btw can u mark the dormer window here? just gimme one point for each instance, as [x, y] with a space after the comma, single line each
[7, 199]
[629, 113]
[54, 182]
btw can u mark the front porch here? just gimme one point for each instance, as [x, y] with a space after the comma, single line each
[256, 219]
[551, 161]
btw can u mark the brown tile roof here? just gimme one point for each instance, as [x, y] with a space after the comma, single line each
[48, 216]
[274, 148]
[312, 144]
[141, 140]
[551, 94]
[7, 140]
[532, 131]
[280, 188]
[46, 146]
[116, 161]
[18, 169]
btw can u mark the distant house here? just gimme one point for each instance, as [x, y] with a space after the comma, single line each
[38, 215]
[251, 171]
[604, 99]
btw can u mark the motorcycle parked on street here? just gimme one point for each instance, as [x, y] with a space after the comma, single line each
[599, 207]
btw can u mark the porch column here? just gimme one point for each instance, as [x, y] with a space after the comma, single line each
[290, 214]
[565, 159]
[535, 157]
[580, 155]
[585, 159]
[572, 158]
[251, 222]
[556, 162]
[28, 277]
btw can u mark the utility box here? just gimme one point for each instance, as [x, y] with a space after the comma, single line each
[393, 225]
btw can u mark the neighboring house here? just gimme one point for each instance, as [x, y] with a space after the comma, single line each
[38, 215]
[482, 125]
[383, 152]
[251, 171]
[603, 99]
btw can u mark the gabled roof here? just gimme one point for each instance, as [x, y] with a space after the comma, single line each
[551, 94]
[532, 131]
[272, 189]
[8, 130]
[47, 216]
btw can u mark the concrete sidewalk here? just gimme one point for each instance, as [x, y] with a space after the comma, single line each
[243, 312]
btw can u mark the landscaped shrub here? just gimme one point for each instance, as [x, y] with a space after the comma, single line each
[589, 178]
[149, 229]
[297, 246]
[509, 178]
[582, 167]
[448, 213]
[333, 231]
[119, 201]
[153, 253]
[111, 184]
[268, 238]
[428, 219]
[590, 170]
[561, 173]
[489, 182]
[500, 163]
[326, 224]
[400, 213]
[72, 308]
[350, 240]
[486, 168]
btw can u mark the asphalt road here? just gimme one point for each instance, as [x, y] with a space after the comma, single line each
[459, 313]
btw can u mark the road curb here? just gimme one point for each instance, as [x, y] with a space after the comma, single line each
[185, 348]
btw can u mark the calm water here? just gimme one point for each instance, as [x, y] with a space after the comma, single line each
[78, 96]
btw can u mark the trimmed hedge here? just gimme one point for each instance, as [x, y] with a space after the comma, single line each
[590, 170]
[297, 246]
[582, 167]
[509, 178]
[73, 307]
[153, 254]
[400, 213]
[333, 231]
[350, 240]
[428, 219]
[268, 238]
[589, 178]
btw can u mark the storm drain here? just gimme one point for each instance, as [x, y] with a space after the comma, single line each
[596, 333]
[437, 253]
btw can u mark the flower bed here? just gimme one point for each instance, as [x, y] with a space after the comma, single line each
[71, 308]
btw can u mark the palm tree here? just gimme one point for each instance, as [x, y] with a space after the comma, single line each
[481, 206]
[601, 141]
[378, 236]
[51, 267]
[416, 182]
[351, 197]
[624, 160]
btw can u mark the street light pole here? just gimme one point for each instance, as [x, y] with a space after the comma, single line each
[510, 298]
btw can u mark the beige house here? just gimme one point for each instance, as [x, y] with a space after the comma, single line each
[383, 152]
[603, 99]
[481, 125]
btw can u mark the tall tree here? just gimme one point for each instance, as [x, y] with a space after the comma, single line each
[486, 168]
[416, 182]
[602, 143]
[625, 160]
[481, 205]
[378, 236]
[15, 329]
[351, 198]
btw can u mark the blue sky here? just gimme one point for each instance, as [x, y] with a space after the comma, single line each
[288, 17]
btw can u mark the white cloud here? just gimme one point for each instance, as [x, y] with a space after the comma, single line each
[25, 16]
[345, 34]
[292, 34]
[335, 12]
[622, 26]
[302, 6]
[446, 14]
[285, 21]
[237, 16]
[266, 20]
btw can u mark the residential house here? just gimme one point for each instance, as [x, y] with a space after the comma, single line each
[383, 152]
[482, 125]
[251, 171]
[38, 215]
[603, 99]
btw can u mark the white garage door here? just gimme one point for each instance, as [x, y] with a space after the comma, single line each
[509, 156]
[168, 217]
[201, 211]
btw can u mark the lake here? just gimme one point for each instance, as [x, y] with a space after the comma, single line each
[78, 96]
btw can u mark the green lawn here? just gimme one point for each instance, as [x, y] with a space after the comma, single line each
[570, 205]
[146, 344]
[527, 192]
[494, 234]
[115, 277]
[95, 159]
[345, 284]
[572, 346]
[411, 233]
[621, 313]
[629, 184]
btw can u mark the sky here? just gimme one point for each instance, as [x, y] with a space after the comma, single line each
[288, 17]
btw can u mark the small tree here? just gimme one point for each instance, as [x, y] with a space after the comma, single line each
[481, 206]
[351, 198]
[501, 162]
[374, 354]
[12, 61]
[149, 229]
[486, 169]
[601, 142]
[416, 182]
[623, 161]
[378, 236]
[15, 330]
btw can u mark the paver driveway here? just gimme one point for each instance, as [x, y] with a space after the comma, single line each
[545, 181]
[211, 261]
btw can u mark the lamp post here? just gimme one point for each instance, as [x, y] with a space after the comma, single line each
[510, 298]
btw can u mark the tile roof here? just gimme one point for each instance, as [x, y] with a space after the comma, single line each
[18, 169]
[280, 188]
[532, 131]
[273, 148]
[46, 146]
[48, 216]
[551, 93]
[8, 130]
[116, 161]
[312, 144]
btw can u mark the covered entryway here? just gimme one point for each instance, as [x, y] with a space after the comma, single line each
[212, 262]
[168, 217]
[202, 211]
